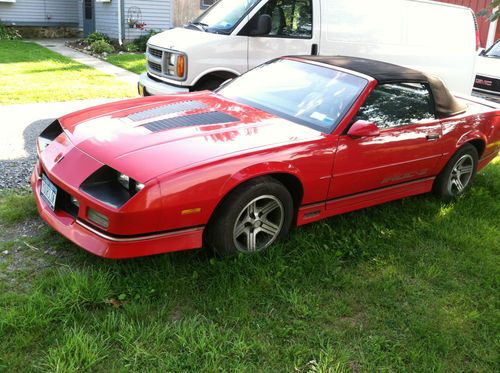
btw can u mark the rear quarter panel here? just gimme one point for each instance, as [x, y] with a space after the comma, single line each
[480, 122]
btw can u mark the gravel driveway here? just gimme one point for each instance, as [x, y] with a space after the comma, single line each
[20, 125]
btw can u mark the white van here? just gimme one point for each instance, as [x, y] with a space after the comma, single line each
[234, 36]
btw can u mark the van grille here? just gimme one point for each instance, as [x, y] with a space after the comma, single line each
[154, 66]
[155, 52]
[487, 83]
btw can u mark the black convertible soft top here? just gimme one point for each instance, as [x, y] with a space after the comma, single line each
[445, 103]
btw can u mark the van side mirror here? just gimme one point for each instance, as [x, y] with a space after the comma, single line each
[263, 26]
[363, 128]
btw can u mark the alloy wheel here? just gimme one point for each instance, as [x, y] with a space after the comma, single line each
[258, 224]
[461, 174]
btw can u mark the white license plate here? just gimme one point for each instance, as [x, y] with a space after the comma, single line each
[49, 192]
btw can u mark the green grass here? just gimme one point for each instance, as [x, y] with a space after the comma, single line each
[129, 61]
[409, 286]
[30, 73]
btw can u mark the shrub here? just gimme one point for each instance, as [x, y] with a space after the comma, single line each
[142, 41]
[101, 46]
[131, 47]
[8, 33]
[96, 36]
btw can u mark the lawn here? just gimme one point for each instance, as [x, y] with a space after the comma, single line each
[409, 286]
[30, 73]
[129, 61]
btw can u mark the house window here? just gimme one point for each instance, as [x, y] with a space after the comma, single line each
[204, 4]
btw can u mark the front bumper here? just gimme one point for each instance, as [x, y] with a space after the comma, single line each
[108, 246]
[148, 87]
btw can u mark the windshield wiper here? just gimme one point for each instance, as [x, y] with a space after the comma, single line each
[199, 25]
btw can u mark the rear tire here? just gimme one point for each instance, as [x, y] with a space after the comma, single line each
[458, 174]
[253, 216]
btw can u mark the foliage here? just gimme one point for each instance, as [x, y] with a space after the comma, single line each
[96, 36]
[131, 47]
[31, 73]
[8, 33]
[101, 46]
[492, 12]
[408, 286]
[142, 41]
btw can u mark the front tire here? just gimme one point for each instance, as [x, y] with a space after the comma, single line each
[458, 174]
[254, 216]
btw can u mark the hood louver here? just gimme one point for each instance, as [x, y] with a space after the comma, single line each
[177, 107]
[213, 117]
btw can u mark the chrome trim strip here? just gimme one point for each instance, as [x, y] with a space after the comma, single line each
[139, 238]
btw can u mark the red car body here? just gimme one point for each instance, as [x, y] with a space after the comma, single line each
[188, 171]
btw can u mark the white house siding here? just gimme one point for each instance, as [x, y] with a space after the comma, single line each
[106, 18]
[157, 14]
[40, 12]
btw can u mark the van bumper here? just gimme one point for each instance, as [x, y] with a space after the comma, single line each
[149, 87]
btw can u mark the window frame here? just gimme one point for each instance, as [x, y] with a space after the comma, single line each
[245, 30]
[206, 6]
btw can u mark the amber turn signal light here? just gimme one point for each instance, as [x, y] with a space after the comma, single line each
[181, 65]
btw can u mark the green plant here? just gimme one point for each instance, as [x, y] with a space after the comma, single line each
[101, 46]
[96, 36]
[142, 41]
[492, 12]
[131, 47]
[8, 33]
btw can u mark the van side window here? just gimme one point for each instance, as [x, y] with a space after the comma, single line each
[290, 18]
[393, 105]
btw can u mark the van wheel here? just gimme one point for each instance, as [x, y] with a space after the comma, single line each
[458, 174]
[251, 218]
[208, 84]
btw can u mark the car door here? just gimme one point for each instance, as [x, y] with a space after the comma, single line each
[294, 31]
[408, 147]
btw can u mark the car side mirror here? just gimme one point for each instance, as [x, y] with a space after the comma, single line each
[483, 52]
[263, 26]
[363, 128]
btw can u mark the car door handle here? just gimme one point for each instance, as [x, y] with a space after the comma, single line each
[433, 137]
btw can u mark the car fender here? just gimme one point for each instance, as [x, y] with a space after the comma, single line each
[257, 170]
[471, 136]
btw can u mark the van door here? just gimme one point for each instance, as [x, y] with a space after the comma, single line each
[295, 30]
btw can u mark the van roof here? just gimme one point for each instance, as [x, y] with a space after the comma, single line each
[383, 72]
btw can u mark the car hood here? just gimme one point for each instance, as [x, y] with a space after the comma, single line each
[488, 66]
[147, 137]
[183, 40]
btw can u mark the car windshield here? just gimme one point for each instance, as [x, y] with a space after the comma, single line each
[315, 96]
[494, 51]
[223, 16]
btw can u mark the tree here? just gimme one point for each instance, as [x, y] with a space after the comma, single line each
[494, 8]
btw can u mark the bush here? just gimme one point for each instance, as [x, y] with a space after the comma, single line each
[96, 36]
[131, 47]
[101, 46]
[8, 33]
[142, 41]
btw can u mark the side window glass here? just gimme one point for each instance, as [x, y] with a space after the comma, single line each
[290, 18]
[393, 105]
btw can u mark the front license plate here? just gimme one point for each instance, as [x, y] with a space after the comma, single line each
[49, 192]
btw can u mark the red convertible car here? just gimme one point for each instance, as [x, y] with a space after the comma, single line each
[291, 142]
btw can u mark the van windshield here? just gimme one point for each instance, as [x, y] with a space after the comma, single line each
[494, 51]
[223, 16]
[315, 96]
